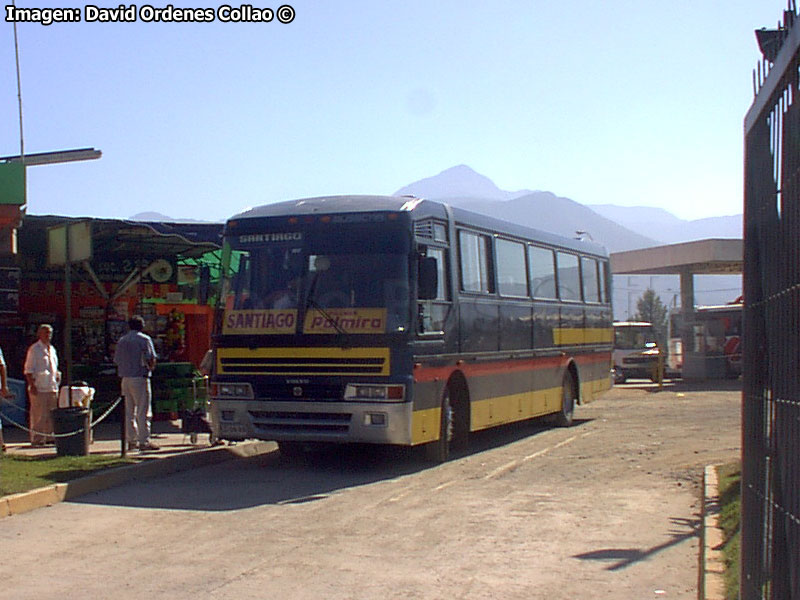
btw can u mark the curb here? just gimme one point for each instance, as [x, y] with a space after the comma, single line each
[15, 504]
[712, 561]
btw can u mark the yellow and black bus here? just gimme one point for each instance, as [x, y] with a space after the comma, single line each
[396, 320]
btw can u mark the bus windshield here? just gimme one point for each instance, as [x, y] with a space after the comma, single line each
[347, 288]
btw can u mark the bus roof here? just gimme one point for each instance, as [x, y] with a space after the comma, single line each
[330, 204]
[420, 209]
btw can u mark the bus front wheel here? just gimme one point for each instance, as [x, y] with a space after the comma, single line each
[569, 396]
[439, 451]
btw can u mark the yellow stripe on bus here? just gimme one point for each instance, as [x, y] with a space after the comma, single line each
[425, 425]
[514, 407]
[582, 335]
[502, 409]
[590, 389]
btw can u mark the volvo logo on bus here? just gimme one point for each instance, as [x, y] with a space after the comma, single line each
[297, 391]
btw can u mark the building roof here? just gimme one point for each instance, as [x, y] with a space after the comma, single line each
[133, 238]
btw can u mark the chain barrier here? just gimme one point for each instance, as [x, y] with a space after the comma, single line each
[59, 435]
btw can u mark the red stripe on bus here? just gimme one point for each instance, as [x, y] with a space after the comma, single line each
[423, 374]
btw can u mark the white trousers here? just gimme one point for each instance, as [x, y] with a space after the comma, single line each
[137, 393]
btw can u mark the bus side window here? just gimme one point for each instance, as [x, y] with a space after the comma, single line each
[604, 282]
[512, 278]
[432, 313]
[569, 277]
[591, 289]
[476, 273]
[542, 272]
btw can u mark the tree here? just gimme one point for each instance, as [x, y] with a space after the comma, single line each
[650, 308]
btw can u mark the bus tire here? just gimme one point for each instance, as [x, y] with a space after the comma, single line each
[569, 397]
[439, 451]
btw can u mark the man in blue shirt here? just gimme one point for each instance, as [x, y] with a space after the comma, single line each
[135, 358]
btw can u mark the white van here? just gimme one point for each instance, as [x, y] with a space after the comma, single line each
[636, 351]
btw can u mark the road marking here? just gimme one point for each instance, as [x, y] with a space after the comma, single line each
[446, 484]
[566, 441]
[510, 466]
[399, 496]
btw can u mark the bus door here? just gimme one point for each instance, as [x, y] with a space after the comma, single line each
[546, 315]
[571, 322]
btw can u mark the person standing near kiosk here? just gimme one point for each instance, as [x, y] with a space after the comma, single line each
[135, 358]
[43, 377]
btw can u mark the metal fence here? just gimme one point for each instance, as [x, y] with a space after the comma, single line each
[770, 545]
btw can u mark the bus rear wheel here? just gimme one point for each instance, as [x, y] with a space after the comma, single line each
[439, 451]
[569, 396]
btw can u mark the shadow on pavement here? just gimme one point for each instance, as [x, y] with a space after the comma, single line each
[621, 558]
[269, 478]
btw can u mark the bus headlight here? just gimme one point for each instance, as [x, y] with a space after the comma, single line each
[232, 390]
[375, 392]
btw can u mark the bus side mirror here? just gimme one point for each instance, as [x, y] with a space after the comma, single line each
[428, 278]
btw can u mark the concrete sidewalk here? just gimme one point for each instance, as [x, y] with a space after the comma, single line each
[175, 453]
[106, 440]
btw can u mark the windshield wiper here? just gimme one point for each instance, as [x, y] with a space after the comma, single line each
[313, 304]
[310, 302]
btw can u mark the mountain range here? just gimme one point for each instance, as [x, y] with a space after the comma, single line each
[618, 228]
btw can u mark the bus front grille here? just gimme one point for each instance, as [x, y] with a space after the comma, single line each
[277, 422]
[299, 362]
[311, 392]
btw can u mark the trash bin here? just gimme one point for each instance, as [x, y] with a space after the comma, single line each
[72, 420]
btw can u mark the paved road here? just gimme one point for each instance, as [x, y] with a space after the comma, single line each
[605, 509]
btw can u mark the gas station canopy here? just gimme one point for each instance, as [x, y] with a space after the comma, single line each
[701, 257]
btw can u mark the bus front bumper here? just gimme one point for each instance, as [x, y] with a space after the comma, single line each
[340, 422]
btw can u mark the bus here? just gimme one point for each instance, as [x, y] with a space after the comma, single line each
[397, 320]
[636, 351]
[716, 336]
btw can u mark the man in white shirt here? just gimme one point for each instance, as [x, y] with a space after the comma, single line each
[43, 377]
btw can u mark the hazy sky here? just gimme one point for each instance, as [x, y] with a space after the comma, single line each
[622, 102]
